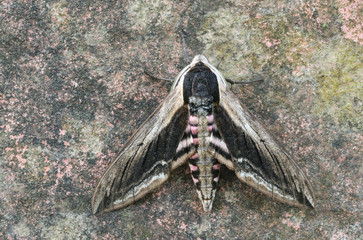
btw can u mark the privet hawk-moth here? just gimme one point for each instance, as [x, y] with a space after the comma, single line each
[202, 123]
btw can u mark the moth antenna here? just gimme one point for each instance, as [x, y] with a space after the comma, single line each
[157, 77]
[259, 79]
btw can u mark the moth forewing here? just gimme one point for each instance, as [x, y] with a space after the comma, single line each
[263, 163]
[144, 163]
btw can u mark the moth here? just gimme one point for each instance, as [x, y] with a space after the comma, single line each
[202, 123]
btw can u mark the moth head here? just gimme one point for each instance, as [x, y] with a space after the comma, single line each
[200, 79]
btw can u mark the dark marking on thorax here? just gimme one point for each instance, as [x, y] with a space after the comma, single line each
[200, 82]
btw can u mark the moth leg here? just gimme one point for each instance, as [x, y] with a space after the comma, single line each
[219, 62]
[256, 77]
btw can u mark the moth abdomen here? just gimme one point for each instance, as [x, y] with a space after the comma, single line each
[204, 167]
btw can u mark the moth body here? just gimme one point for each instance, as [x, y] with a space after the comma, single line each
[202, 123]
[203, 165]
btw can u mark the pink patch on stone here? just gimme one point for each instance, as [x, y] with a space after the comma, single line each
[193, 168]
[193, 120]
[210, 128]
[216, 179]
[216, 166]
[194, 129]
[195, 141]
[195, 155]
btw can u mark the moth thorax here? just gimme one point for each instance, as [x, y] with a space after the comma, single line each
[201, 106]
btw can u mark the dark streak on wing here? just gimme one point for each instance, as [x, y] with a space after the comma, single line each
[161, 148]
[182, 152]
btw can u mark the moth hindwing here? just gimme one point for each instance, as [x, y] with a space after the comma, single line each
[201, 122]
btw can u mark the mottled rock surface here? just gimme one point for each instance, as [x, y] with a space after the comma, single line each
[73, 90]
